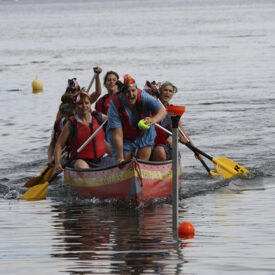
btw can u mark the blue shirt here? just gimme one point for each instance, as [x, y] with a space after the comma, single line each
[149, 105]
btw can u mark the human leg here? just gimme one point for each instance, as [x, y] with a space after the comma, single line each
[81, 164]
[144, 153]
[158, 154]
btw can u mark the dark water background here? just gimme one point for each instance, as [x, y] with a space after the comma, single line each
[221, 56]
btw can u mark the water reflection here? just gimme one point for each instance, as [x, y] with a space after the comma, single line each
[117, 240]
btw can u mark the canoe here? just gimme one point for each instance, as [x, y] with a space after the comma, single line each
[137, 181]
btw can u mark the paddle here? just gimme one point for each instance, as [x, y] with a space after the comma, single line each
[39, 192]
[91, 83]
[224, 166]
[211, 173]
[44, 175]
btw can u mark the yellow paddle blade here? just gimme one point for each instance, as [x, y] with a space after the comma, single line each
[41, 178]
[228, 168]
[213, 174]
[37, 192]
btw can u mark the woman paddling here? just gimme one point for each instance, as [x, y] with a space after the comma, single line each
[110, 79]
[77, 130]
[65, 111]
[163, 142]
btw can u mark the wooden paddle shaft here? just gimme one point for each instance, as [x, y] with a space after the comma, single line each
[91, 83]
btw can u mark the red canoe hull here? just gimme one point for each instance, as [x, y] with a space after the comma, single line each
[136, 181]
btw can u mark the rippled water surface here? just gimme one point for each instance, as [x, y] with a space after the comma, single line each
[221, 57]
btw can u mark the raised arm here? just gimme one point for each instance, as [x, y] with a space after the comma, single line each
[96, 94]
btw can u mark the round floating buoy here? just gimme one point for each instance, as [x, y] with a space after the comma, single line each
[37, 85]
[186, 228]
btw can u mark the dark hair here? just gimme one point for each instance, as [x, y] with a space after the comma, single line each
[67, 98]
[108, 73]
[66, 109]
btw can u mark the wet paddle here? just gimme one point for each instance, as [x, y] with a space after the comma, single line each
[39, 192]
[224, 166]
[211, 173]
[44, 175]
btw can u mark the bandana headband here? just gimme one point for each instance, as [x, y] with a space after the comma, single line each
[77, 97]
[151, 87]
[72, 86]
[126, 81]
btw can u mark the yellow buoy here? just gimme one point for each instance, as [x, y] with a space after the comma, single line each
[37, 85]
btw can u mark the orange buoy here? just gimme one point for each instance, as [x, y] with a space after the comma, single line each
[186, 228]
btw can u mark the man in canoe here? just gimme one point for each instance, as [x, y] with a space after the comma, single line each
[126, 109]
[77, 130]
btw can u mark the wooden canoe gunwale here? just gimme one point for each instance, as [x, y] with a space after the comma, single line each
[113, 166]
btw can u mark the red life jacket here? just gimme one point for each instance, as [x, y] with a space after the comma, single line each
[102, 105]
[58, 126]
[130, 131]
[95, 149]
[161, 137]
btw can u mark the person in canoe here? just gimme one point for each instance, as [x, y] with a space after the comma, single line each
[126, 109]
[73, 87]
[152, 88]
[163, 142]
[110, 79]
[77, 130]
[66, 110]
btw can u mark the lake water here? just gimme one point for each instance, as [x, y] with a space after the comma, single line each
[220, 55]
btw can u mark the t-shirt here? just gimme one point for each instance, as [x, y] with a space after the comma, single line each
[149, 106]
